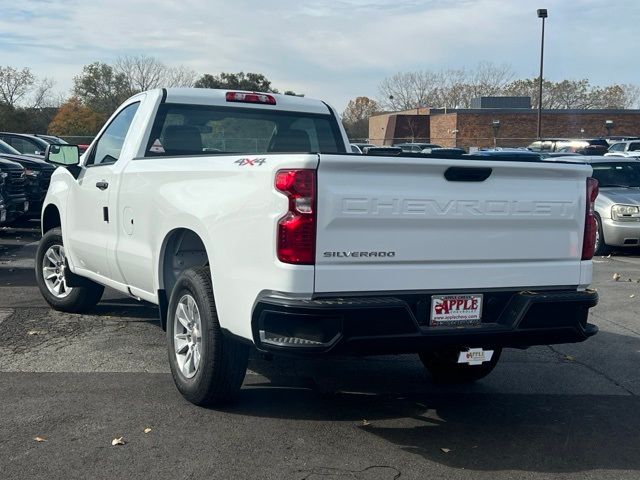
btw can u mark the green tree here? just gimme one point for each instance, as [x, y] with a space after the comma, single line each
[255, 82]
[100, 88]
[75, 119]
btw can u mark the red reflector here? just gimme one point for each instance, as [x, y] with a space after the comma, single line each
[251, 98]
[297, 229]
[590, 225]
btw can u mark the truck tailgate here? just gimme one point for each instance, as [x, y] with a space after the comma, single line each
[397, 224]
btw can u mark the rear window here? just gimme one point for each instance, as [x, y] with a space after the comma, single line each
[206, 130]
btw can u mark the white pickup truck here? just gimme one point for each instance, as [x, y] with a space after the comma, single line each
[246, 218]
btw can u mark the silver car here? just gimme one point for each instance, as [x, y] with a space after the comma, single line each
[618, 203]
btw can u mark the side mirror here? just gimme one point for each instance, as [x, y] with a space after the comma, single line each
[63, 155]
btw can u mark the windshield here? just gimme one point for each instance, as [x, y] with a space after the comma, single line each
[8, 149]
[622, 174]
[205, 130]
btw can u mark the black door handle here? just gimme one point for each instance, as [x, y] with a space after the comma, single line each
[102, 185]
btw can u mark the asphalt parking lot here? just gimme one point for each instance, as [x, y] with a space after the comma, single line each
[79, 381]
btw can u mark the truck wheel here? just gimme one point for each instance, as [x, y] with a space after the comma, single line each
[208, 367]
[51, 270]
[444, 367]
[601, 248]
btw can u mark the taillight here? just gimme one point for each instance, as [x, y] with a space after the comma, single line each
[297, 229]
[251, 98]
[590, 225]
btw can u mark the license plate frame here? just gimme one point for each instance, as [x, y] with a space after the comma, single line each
[456, 310]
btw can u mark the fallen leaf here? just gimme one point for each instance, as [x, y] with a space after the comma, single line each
[366, 423]
[616, 276]
[117, 441]
[445, 450]
[33, 332]
[39, 439]
[632, 296]
[569, 358]
[147, 430]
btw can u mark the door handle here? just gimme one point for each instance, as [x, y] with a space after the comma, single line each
[102, 185]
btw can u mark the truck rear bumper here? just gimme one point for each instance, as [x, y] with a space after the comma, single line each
[400, 323]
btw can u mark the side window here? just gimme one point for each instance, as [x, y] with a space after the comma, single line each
[634, 146]
[617, 147]
[23, 145]
[107, 150]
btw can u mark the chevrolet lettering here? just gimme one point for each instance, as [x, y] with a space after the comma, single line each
[431, 207]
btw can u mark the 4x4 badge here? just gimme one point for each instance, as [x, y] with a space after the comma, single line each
[250, 161]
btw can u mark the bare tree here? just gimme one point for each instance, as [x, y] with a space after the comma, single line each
[141, 71]
[15, 84]
[631, 95]
[42, 96]
[453, 88]
[180, 76]
[144, 73]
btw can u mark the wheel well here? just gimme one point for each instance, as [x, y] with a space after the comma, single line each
[50, 218]
[183, 249]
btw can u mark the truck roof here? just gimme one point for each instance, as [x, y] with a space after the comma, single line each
[209, 96]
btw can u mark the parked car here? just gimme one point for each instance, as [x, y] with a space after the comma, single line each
[618, 204]
[3, 205]
[313, 251]
[620, 138]
[628, 146]
[25, 144]
[415, 147]
[583, 146]
[355, 148]
[15, 196]
[38, 175]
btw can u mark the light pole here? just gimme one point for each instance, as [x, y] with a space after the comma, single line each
[542, 13]
[495, 125]
[608, 124]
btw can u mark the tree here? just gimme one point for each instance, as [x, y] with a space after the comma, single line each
[15, 84]
[101, 88]
[255, 82]
[355, 117]
[180, 76]
[144, 73]
[75, 119]
[141, 71]
[452, 88]
[579, 94]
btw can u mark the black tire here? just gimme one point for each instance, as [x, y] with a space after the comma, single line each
[223, 359]
[601, 248]
[81, 298]
[444, 367]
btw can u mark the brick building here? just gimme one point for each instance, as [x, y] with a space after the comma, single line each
[486, 127]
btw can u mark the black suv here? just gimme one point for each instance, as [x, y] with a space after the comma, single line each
[3, 205]
[38, 176]
[14, 189]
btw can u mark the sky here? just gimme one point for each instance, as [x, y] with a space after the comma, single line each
[331, 50]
